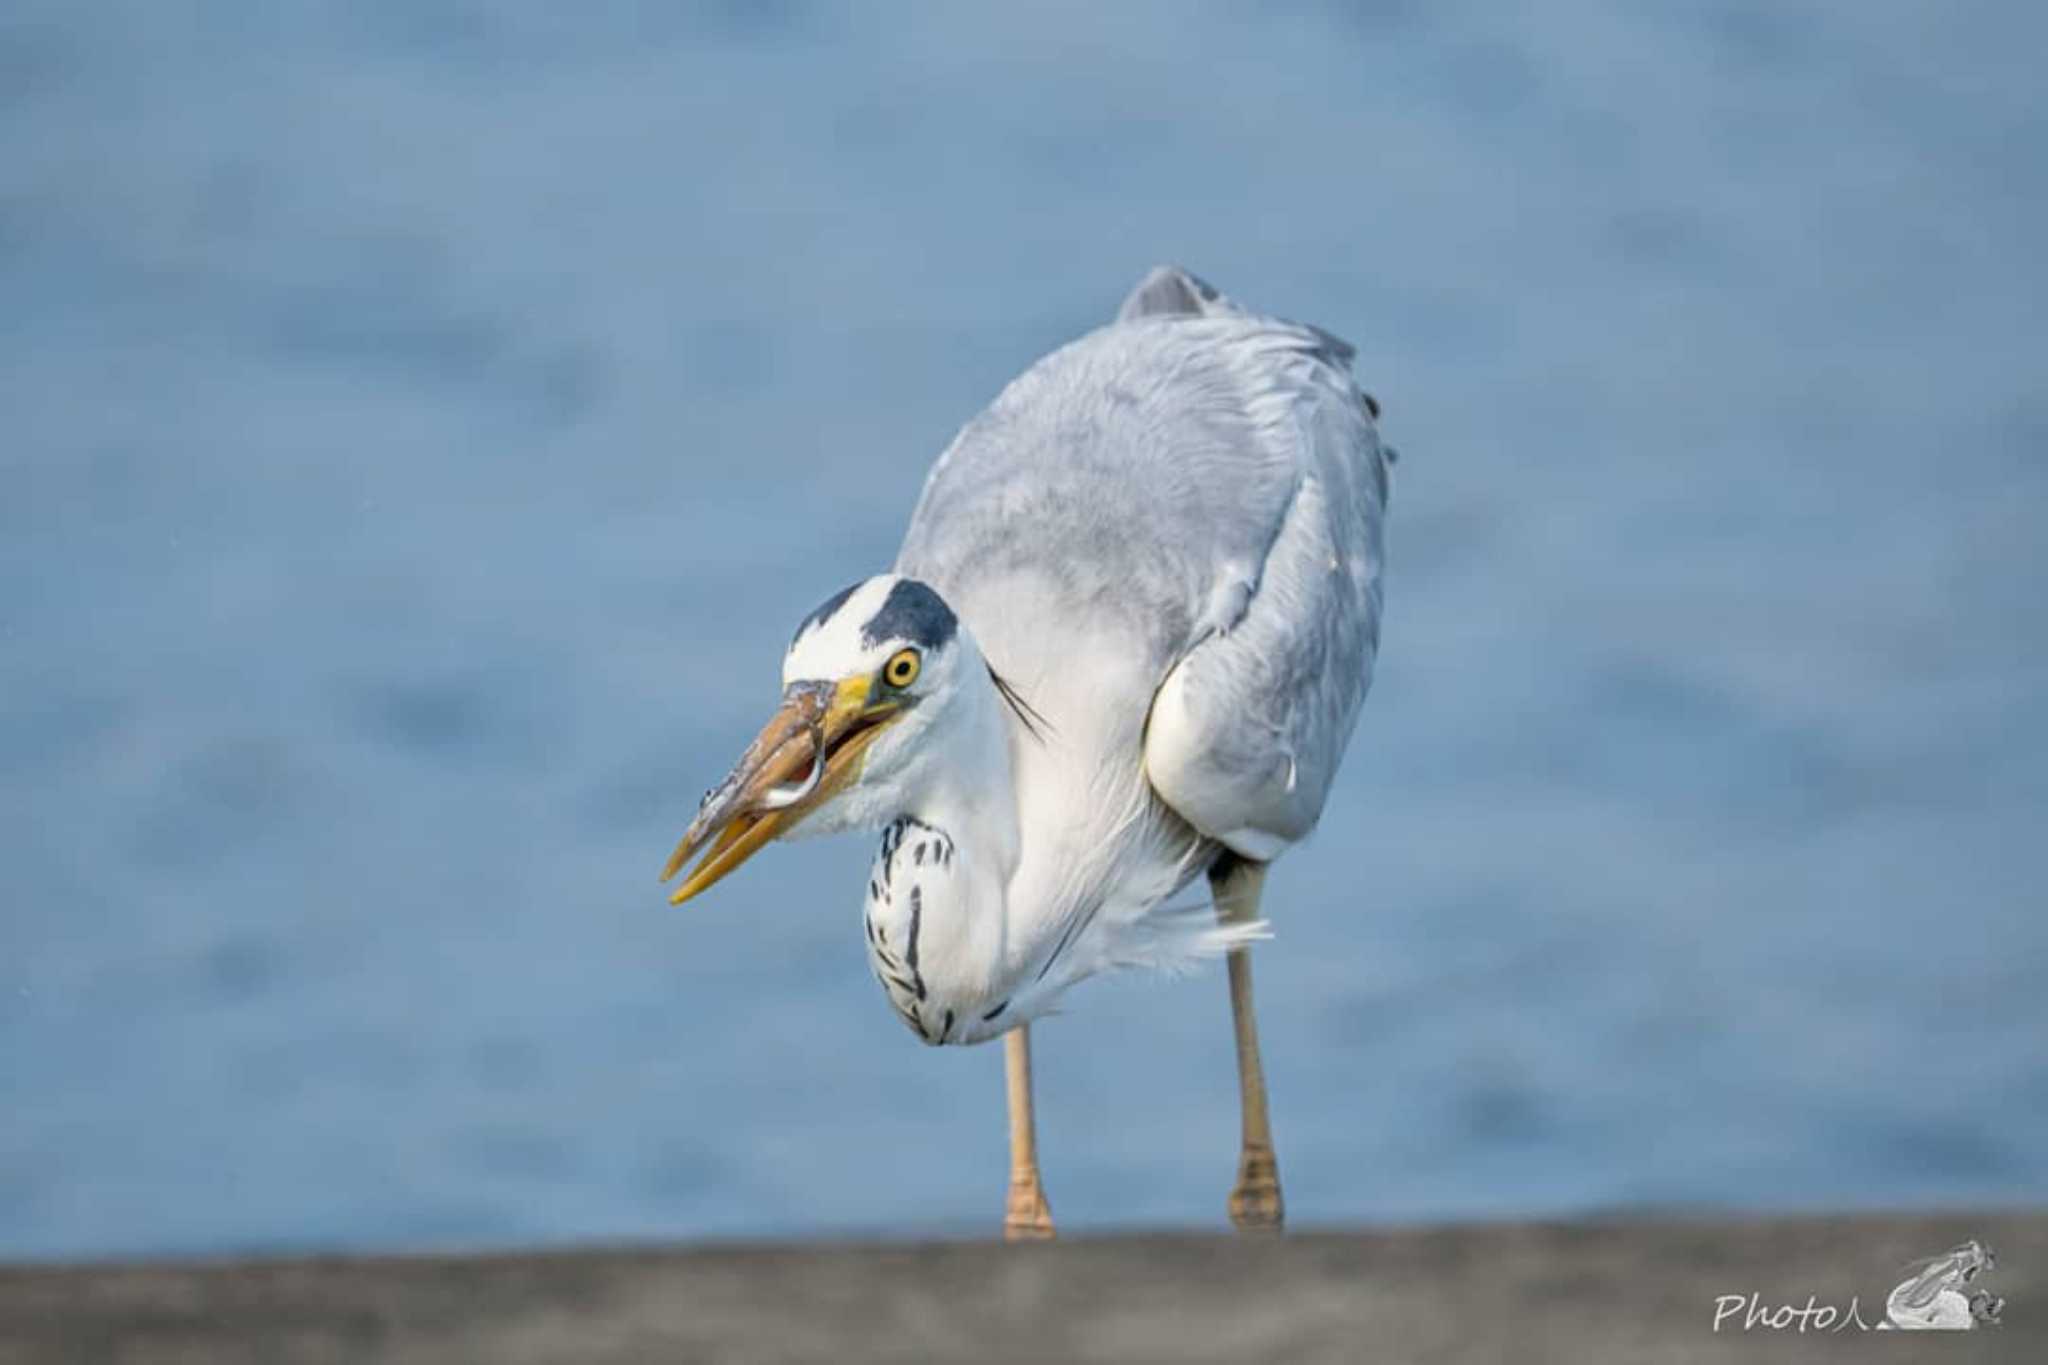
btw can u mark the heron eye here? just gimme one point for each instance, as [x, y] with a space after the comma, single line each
[901, 670]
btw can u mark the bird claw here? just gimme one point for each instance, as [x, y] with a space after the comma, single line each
[1028, 1218]
[1255, 1205]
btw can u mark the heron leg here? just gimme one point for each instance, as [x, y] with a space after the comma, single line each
[1028, 1218]
[1255, 1203]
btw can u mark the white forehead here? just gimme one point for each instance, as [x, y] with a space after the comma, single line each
[830, 643]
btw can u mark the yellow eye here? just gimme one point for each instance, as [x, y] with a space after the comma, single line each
[901, 670]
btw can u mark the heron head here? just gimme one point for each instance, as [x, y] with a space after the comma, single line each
[868, 675]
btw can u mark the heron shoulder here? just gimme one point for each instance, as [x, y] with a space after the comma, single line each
[1175, 291]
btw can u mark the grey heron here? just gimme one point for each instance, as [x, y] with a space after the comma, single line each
[1124, 645]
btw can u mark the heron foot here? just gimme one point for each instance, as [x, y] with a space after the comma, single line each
[1255, 1205]
[1028, 1217]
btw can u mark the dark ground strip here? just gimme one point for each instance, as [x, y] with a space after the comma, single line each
[1637, 1291]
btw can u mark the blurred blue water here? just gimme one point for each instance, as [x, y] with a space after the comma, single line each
[425, 422]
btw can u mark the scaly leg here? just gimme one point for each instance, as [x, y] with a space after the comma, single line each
[1028, 1218]
[1255, 1204]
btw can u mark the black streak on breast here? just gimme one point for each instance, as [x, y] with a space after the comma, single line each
[910, 953]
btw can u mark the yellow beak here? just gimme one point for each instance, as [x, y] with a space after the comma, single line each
[809, 750]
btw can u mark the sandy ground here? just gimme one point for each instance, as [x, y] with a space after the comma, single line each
[1639, 1291]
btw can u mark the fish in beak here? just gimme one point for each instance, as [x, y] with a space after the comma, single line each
[809, 750]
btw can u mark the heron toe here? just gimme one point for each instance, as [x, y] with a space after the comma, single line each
[1029, 1217]
[1255, 1205]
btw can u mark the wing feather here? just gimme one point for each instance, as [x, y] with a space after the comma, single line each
[1185, 504]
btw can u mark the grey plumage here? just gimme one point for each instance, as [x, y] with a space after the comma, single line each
[1181, 511]
[1128, 633]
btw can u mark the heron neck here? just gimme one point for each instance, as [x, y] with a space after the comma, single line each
[971, 795]
[963, 975]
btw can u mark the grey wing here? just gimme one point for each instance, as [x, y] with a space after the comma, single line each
[1248, 728]
[1189, 503]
